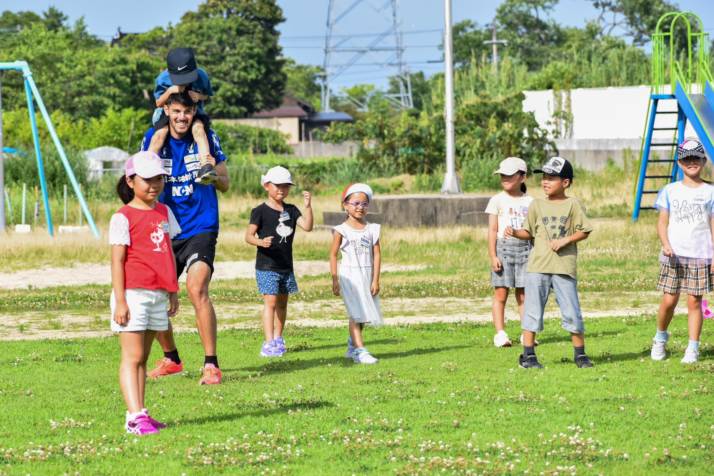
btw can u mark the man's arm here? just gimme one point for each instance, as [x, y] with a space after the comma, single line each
[222, 182]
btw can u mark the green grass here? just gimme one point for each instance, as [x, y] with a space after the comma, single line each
[441, 399]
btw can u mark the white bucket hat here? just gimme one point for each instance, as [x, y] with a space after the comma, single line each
[277, 175]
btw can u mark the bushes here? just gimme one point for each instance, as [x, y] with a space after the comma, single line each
[316, 175]
[488, 129]
[238, 138]
[122, 129]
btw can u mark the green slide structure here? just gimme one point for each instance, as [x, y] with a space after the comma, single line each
[681, 77]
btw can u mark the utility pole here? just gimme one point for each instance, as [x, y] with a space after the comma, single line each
[451, 181]
[2, 169]
[494, 42]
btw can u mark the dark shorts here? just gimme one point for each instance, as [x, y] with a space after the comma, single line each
[201, 247]
[162, 120]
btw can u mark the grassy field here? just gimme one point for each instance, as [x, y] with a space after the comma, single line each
[442, 399]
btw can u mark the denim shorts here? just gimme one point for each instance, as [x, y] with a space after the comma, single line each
[273, 282]
[513, 254]
[538, 286]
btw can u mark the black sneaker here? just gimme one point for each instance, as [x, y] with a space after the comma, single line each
[583, 362]
[207, 174]
[529, 361]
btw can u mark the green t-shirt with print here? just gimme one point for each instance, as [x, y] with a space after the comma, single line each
[549, 220]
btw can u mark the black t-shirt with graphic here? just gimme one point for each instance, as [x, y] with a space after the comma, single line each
[281, 226]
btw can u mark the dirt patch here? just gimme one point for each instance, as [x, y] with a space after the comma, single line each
[100, 274]
[319, 313]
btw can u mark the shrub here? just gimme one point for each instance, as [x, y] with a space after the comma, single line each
[239, 138]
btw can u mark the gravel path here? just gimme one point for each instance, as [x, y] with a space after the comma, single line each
[100, 274]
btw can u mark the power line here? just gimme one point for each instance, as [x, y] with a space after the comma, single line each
[359, 35]
[322, 47]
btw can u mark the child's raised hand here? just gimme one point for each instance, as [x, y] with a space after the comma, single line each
[335, 286]
[374, 288]
[176, 89]
[307, 196]
[195, 97]
[173, 304]
[121, 313]
[266, 242]
[496, 265]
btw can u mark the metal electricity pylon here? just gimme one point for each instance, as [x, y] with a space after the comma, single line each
[345, 47]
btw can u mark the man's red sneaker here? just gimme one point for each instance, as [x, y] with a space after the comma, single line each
[211, 375]
[165, 367]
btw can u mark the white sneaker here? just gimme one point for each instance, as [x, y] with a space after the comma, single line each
[691, 356]
[659, 351]
[362, 356]
[501, 339]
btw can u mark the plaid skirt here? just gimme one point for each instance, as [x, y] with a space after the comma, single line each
[676, 277]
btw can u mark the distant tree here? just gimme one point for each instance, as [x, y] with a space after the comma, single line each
[637, 19]
[532, 35]
[302, 81]
[236, 41]
[54, 19]
[469, 40]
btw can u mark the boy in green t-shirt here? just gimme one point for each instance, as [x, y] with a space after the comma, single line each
[555, 224]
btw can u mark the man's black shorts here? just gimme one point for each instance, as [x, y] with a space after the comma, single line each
[163, 121]
[201, 247]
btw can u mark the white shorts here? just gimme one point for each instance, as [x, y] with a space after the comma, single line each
[148, 310]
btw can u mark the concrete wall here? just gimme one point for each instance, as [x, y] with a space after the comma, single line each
[422, 210]
[324, 149]
[606, 122]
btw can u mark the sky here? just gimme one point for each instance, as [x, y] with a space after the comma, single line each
[303, 32]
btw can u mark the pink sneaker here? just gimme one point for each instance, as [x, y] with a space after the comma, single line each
[141, 425]
[156, 423]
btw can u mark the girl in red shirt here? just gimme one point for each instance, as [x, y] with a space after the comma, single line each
[144, 283]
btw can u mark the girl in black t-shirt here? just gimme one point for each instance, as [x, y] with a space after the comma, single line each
[271, 230]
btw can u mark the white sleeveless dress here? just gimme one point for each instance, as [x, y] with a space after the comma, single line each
[355, 272]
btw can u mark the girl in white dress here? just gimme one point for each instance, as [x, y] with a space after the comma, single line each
[358, 277]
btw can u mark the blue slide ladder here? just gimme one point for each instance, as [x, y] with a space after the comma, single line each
[651, 174]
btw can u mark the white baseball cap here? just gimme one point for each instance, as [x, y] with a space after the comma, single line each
[511, 166]
[145, 164]
[277, 175]
[358, 188]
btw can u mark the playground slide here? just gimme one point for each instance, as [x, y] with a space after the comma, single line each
[699, 109]
[709, 93]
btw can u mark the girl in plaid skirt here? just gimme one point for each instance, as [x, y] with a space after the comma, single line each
[684, 228]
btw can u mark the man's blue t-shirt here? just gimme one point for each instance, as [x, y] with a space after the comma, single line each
[194, 205]
[201, 85]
